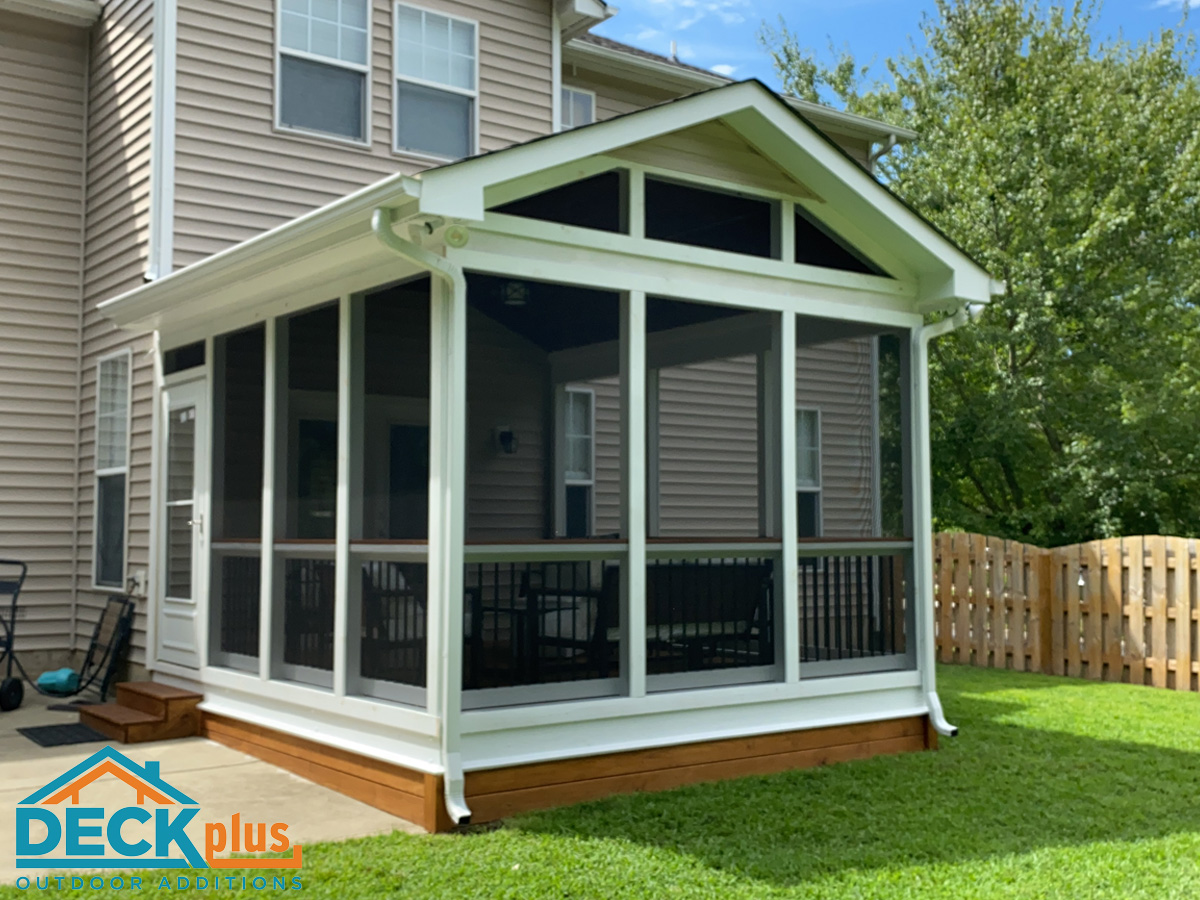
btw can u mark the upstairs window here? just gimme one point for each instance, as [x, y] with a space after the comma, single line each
[808, 473]
[437, 83]
[578, 108]
[112, 470]
[322, 73]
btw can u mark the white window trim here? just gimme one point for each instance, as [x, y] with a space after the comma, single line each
[590, 481]
[561, 125]
[819, 487]
[397, 150]
[98, 473]
[280, 50]
[561, 482]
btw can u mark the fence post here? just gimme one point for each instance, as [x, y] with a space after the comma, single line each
[1050, 621]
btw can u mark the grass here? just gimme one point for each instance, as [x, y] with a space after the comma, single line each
[1054, 788]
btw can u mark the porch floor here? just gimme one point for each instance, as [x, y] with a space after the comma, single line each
[257, 790]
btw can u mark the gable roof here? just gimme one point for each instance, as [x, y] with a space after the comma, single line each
[335, 242]
[109, 761]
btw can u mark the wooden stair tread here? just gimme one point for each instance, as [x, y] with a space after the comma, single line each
[159, 691]
[118, 715]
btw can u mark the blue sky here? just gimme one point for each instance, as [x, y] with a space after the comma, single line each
[722, 35]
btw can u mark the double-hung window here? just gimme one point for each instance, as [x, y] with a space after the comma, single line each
[579, 463]
[322, 77]
[578, 108]
[112, 470]
[808, 473]
[437, 83]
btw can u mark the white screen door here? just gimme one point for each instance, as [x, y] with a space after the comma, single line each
[185, 443]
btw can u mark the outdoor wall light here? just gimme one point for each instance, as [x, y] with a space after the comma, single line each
[506, 439]
[516, 293]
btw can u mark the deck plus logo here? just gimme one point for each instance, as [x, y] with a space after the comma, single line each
[58, 829]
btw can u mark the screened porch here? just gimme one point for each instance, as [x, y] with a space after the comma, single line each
[741, 568]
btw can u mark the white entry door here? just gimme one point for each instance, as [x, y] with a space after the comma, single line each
[183, 490]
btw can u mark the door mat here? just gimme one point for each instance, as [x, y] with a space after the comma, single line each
[61, 735]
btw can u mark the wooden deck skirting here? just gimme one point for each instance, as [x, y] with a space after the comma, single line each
[497, 793]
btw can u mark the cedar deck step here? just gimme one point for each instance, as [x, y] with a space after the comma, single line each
[146, 711]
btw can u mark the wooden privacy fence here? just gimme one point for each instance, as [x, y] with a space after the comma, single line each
[1121, 609]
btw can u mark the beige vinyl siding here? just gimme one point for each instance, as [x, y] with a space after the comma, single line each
[42, 84]
[508, 383]
[617, 96]
[236, 175]
[708, 443]
[116, 233]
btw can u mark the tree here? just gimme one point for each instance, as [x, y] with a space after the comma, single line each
[1070, 168]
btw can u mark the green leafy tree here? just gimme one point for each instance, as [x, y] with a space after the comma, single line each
[1069, 167]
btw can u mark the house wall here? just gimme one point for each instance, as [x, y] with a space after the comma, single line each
[116, 250]
[42, 100]
[617, 96]
[236, 175]
[708, 443]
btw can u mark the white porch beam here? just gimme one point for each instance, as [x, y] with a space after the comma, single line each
[604, 270]
[633, 491]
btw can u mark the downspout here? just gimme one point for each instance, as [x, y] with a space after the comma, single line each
[924, 470]
[452, 275]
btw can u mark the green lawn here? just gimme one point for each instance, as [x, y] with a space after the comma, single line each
[1054, 788]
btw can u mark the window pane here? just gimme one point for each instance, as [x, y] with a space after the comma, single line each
[320, 97]
[294, 33]
[408, 24]
[179, 551]
[462, 72]
[354, 13]
[354, 46]
[111, 437]
[808, 514]
[579, 413]
[110, 530]
[462, 38]
[437, 32]
[325, 9]
[579, 458]
[181, 454]
[433, 121]
[324, 38]
[437, 65]
[581, 109]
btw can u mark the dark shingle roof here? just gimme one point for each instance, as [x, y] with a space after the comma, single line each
[608, 43]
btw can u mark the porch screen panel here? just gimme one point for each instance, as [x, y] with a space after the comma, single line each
[388, 598]
[544, 398]
[306, 469]
[712, 483]
[852, 492]
[237, 460]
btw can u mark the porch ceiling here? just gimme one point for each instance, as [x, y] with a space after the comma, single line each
[332, 249]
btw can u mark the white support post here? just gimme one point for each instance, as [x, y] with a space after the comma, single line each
[789, 591]
[558, 391]
[787, 231]
[347, 512]
[447, 508]
[653, 455]
[922, 515]
[633, 491]
[767, 370]
[637, 203]
[267, 568]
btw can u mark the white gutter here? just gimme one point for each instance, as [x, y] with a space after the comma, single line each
[450, 700]
[80, 13]
[920, 365]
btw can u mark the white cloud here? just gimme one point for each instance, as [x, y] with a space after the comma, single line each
[1163, 4]
[679, 15]
[725, 69]
[646, 34]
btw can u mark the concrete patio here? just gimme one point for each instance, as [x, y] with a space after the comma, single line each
[222, 780]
